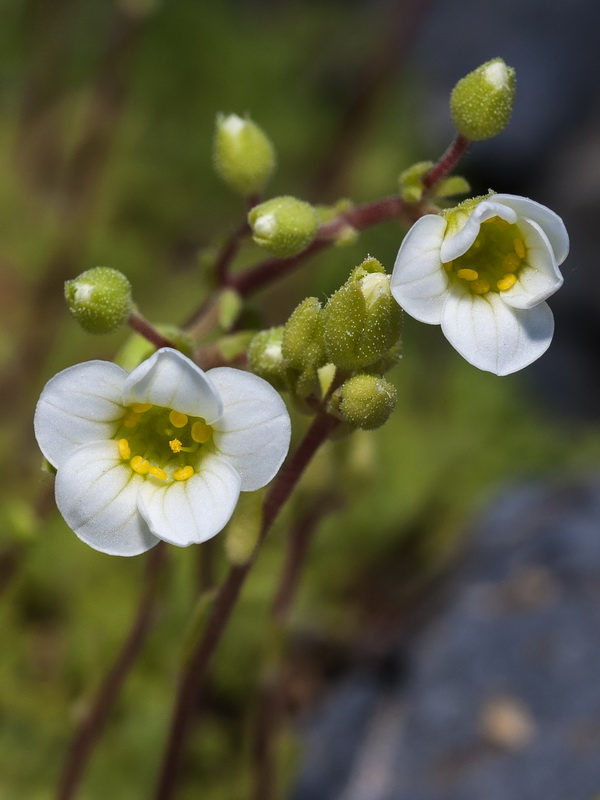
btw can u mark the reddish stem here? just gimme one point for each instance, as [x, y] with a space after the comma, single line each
[144, 328]
[446, 163]
[194, 671]
[359, 218]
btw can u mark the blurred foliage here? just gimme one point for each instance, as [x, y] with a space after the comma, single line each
[105, 139]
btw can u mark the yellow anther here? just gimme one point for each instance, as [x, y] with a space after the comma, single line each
[131, 420]
[511, 262]
[140, 465]
[448, 266]
[520, 248]
[506, 282]
[139, 408]
[201, 432]
[124, 449]
[178, 419]
[468, 274]
[157, 472]
[175, 445]
[498, 221]
[183, 473]
[480, 286]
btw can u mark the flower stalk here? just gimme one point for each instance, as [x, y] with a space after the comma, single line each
[194, 672]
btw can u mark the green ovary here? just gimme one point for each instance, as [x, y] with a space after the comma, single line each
[494, 260]
[161, 443]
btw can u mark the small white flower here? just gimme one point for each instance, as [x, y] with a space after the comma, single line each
[483, 272]
[160, 453]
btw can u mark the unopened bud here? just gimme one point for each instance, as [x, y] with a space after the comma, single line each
[265, 356]
[99, 299]
[481, 103]
[283, 225]
[243, 154]
[364, 401]
[362, 320]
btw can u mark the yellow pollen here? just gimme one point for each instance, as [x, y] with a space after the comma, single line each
[468, 274]
[131, 420]
[124, 449]
[506, 282]
[139, 408]
[511, 262]
[200, 432]
[175, 445]
[157, 472]
[448, 266]
[520, 248]
[183, 473]
[178, 419]
[140, 465]
[480, 286]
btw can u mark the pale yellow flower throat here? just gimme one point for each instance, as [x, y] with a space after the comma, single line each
[493, 261]
[160, 442]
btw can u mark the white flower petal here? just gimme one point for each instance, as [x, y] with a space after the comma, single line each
[170, 379]
[494, 337]
[254, 430]
[551, 223]
[541, 278]
[457, 245]
[81, 404]
[96, 494]
[192, 511]
[419, 281]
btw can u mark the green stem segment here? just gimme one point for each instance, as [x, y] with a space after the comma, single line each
[195, 669]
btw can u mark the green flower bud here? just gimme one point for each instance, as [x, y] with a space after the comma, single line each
[243, 154]
[361, 320]
[302, 344]
[481, 103]
[364, 401]
[411, 181]
[283, 225]
[265, 356]
[99, 299]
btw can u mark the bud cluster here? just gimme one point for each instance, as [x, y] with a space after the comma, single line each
[340, 349]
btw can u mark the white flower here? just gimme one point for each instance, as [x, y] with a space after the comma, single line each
[482, 272]
[160, 453]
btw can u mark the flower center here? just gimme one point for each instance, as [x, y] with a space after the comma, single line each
[162, 443]
[493, 261]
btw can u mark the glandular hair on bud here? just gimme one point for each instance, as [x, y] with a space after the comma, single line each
[99, 299]
[265, 356]
[481, 103]
[243, 154]
[302, 344]
[284, 226]
[364, 401]
[361, 320]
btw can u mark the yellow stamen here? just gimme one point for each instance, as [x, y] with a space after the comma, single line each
[157, 472]
[139, 408]
[480, 286]
[448, 266]
[201, 432]
[511, 262]
[175, 445]
[183, 473]
[178, 419]
[140, 465]
[506, 282]
[131, 420]
[520, 248]
[498, 221]
[468, 274]
[124, 449]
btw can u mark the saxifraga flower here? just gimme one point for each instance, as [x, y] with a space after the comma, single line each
[483, 271]
[159, 453]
